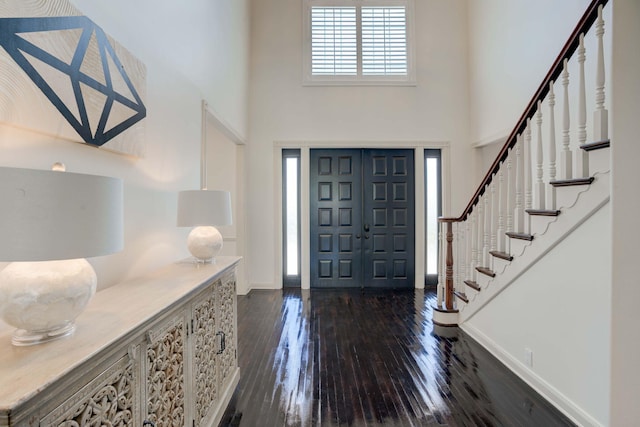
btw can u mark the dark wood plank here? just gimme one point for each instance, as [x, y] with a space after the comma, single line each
[486, 271]
[368, 358]
[519, 236]
[572, 182]
[543, 212]
[598, 145]
[502, 255]
[472, 284]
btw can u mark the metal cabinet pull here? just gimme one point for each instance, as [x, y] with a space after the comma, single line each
[221, 335]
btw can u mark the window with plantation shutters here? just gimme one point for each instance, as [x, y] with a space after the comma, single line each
[333, 41]
[384, 41]
[358, 41]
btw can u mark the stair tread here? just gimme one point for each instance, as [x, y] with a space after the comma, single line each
[571, 182]
[597, 145]
[520, 236]
[502, 255]
[487, 271]
[543, 212]
[472, 284]
[462, 296]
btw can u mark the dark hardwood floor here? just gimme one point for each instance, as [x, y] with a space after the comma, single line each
[352, 358]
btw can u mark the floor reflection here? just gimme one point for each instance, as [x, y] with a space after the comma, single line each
[352, 358]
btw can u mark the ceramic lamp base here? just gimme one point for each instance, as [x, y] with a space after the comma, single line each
[204, 243]
[42, 299]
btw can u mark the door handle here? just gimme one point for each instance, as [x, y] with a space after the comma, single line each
[357, 236]
[366, 227]
[366, 236]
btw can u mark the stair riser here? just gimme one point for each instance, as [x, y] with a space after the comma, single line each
[599, 161]
[540, 224]
[566, 197]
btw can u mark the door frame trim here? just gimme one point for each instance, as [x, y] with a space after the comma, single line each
[305, 147]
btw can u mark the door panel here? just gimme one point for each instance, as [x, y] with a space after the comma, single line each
[336, 206]
[388, 218]
[362, 218]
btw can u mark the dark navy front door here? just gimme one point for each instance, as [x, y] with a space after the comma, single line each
[362, 218]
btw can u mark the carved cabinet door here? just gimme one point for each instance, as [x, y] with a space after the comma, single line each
[112, 398]
[227, 321]
[165, 372]
[204, 349]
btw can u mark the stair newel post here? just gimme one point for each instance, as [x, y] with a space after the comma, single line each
[582, 157]
[501, 209]
[511, 195]
[565, 155]
[473, 262]
[494, 218]
[487, 227]
[540, 189]
[449, 270]
[518, 212]
[441, 264]
[600, 116]
[528, 181]
[551, 193]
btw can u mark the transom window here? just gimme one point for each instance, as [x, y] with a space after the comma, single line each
[358, 41]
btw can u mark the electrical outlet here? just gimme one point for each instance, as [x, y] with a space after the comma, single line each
[528, 357]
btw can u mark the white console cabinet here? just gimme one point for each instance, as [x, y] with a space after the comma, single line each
[157, 350]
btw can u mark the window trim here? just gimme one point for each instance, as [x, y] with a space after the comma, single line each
[308, 79]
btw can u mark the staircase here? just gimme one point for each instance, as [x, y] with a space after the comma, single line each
[514, 265]
[542, 186]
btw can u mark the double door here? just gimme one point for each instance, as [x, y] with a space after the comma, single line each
[362, 218]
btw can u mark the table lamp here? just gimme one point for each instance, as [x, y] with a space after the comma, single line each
[204, 209]
[49, 221]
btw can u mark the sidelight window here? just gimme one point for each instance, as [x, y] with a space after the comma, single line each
[291, 216]
[433, 209]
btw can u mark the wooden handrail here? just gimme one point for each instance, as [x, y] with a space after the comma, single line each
[567, 51]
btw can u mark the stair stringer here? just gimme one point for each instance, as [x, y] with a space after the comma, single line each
[588, 202]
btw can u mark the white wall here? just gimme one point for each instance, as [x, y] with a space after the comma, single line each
[188, 58]
[560, 310]
[282, 109]
[512, 45]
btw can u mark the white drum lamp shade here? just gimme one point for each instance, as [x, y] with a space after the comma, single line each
[204, 209]
[50, 221]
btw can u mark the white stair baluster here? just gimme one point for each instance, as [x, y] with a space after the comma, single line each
[551, 190]
[600, 116]
[502, 191]
[456, 257]
[528, 180]
[487, 227]
[540, 190]
[441, 266]
[518, 212]
[494, 218]
[565, 155]
[468, 229]
[474, 244]
[582, 157]
[511, 197]
[480, 231]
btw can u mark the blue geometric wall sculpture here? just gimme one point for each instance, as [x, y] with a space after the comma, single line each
[79, 70]
[11, 30]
